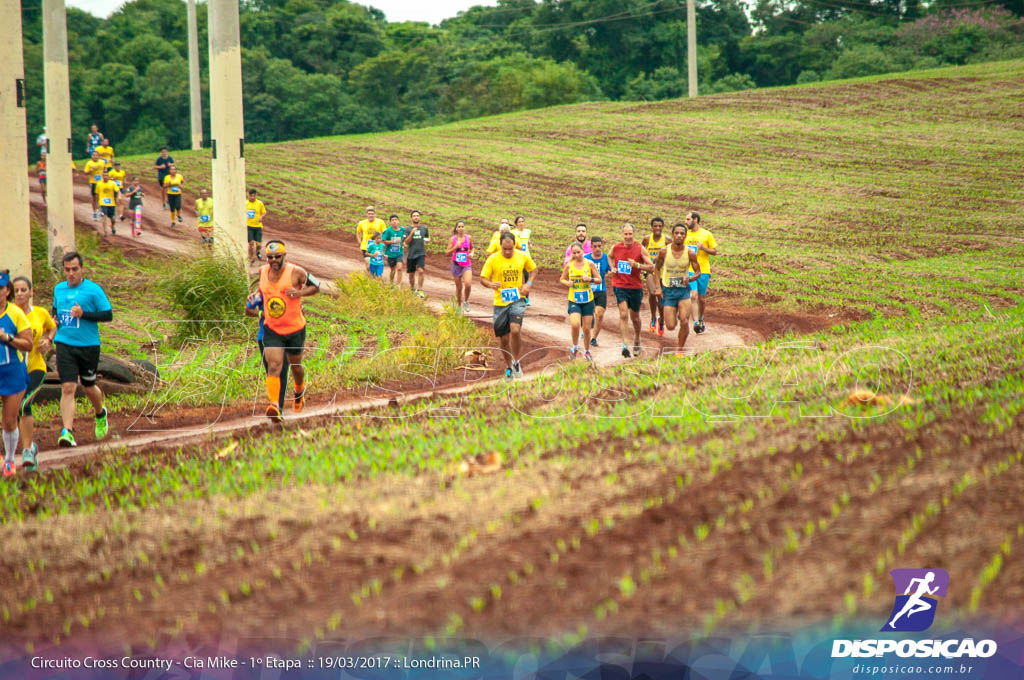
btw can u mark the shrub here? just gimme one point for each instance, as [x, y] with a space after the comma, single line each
[207, 289]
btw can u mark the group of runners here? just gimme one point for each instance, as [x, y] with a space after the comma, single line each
[27, 333]
[668, 268]
[114, 196]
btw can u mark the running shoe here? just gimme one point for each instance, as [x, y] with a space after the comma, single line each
[95, 216]
[165, 206]
[517, 370]
[574, 352]
[465, 307]
[300, 401]
[636, 351]
[661, 327]
[654, 325]
[274, 413]
[172, 224]
[593, 342]
[113, 229]
[625, 351]
[699, 327]
[8, 468]
[588, 356]
[527, 302]
[696, 326]
[123, 217]
[420, 293]
[28, 457]
[179, 219]
[66, 439]
[508, 374]
[101, 424]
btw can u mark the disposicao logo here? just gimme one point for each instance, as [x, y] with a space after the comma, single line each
[914, 610]
[917, 593]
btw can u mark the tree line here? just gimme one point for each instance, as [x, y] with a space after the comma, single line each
[323, 67]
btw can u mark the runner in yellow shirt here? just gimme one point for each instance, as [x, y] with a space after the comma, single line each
[173, 183]
[106, 193]
[94, 169]
[204, 217]
[43, 330]
[254, 212]
[106, 152]
[495, 244]
[505, 273]
[365, 230]
[702, 243]
[15, 337]
[117, 176]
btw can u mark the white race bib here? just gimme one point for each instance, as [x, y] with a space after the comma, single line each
[509, 294]
[624, 267]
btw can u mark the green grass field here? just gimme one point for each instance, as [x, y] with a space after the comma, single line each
[746, 471]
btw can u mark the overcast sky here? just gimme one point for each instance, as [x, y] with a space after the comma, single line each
[396, 10]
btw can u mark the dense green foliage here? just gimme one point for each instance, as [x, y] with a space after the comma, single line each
[321, 67]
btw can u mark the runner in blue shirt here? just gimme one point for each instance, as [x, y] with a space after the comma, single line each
[15, 338]
[79, 306]
[600, 258]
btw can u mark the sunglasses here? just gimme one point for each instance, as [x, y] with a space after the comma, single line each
[275, 257]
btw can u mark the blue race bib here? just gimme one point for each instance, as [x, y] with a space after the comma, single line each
[67, 319]
[204, 218]
[509, 294]
[581, 297]
[624, 267]
[251, 214]
[462, 258]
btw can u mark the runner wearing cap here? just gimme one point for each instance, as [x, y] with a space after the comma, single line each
[282, 287]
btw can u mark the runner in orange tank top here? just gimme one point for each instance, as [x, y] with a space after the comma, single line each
[282, 287]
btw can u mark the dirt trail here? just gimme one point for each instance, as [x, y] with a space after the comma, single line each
[330, 256]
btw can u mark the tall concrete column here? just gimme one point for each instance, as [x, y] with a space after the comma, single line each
[195, 102]
[227, 130]
[60, 199]
[691, 46]
[15, 232]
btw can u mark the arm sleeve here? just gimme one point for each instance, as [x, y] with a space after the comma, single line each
[106, 315]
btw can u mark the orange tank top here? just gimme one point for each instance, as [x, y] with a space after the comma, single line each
[282, 314]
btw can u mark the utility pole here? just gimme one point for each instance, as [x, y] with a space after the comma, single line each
[16, 229]
[60, 198]
[195, 102]
[691, 46]
[227, 130]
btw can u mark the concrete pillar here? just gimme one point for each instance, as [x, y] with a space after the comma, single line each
[195, 102]
[15, 232]
[227, 130]
[691, 46]
[60, 199]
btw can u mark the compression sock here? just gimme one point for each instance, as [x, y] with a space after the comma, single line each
[273, 388]
[10, 445]
[300, 388]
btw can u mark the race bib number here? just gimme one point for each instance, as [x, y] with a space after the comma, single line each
[624, 267]
[597, 287]
[394, 251]
[677, 282]
[377, 259]
[581, 297]
[204, 218]
[523, 247]
[251, 214]
[509, 294]
[175, 190]
[462, 258]
[108, 201]
[68, 320]
[694, 249]
[118, 183]
[5, 355]
[97, 178]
